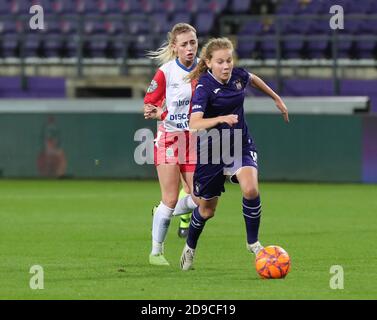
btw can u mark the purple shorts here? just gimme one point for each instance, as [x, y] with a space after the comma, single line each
[209, 178]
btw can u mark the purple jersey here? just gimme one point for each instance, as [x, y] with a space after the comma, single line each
[214, 99]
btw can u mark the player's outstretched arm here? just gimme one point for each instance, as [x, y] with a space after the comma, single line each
[261, 85]
[197, 122]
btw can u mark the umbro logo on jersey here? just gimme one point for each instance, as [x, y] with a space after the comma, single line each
[216, 90]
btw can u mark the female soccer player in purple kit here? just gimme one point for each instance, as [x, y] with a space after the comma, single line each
[218, 105]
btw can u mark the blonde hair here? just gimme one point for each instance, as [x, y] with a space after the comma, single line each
[208, 49]
[166, 53]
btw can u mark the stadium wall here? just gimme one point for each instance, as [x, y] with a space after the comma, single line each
[323, 148]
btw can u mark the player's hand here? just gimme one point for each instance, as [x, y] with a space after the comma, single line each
[283, 109]
[150, 111]
[231, 119]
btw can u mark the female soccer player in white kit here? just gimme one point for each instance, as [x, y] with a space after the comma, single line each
[168, 99]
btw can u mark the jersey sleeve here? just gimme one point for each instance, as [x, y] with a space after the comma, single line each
[245, 76]
[156, 91]
[200, 99]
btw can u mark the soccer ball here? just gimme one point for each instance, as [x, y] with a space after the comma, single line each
[272, 262]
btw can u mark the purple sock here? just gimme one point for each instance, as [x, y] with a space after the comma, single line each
[252, 210]
[196, 226]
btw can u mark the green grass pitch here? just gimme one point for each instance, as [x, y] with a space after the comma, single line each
[92, 239]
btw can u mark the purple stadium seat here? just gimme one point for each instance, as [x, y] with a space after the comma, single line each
[293, 46]
[114, 25]
[372, 6]
[246, 48]
[319, 26]
[218, 6]
[368, 26]
[53, 45]
[119, 47]
[97, 47]
[159, 21]
[138, 24]
[296, 26]
[71, 49]
[4, 7]
[64, 6]
[313, 7]
[142, 45]
[344, 47]
[92, 25]
[32, 44]
[180, 17]
[205, 6]
[351, 26]
[204, 22]
[308, 87]
[108, 6]
[287, 8]
[179, 6]
[304, 26]
[251, 27]
[10, 44]
[51, 25]
[165, 6]
[193, 5]
[317, 47]
[87, 6]
[358, 7]
[47, 5]
[130, 6]
[19, 6]
[68, 26]
[366, 47]
[8, 26]
[240, 6]
[268, 48]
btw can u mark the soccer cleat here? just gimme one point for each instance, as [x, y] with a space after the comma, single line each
[158, 260]
[184, 225]
[255, 247]
[187, 258]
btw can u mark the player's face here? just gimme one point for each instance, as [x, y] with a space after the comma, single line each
[186, 46]
[221, 64]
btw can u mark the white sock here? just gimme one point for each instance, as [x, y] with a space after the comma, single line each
[184, 205]
[161, 222]
[255, 247]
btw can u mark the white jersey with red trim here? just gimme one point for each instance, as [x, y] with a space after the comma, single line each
[169, 88]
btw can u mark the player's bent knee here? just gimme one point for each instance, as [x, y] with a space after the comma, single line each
[207, 213]
[250, 193]
[170, 202]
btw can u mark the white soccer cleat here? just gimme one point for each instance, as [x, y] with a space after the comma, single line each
[255, 247]
[187, 258]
